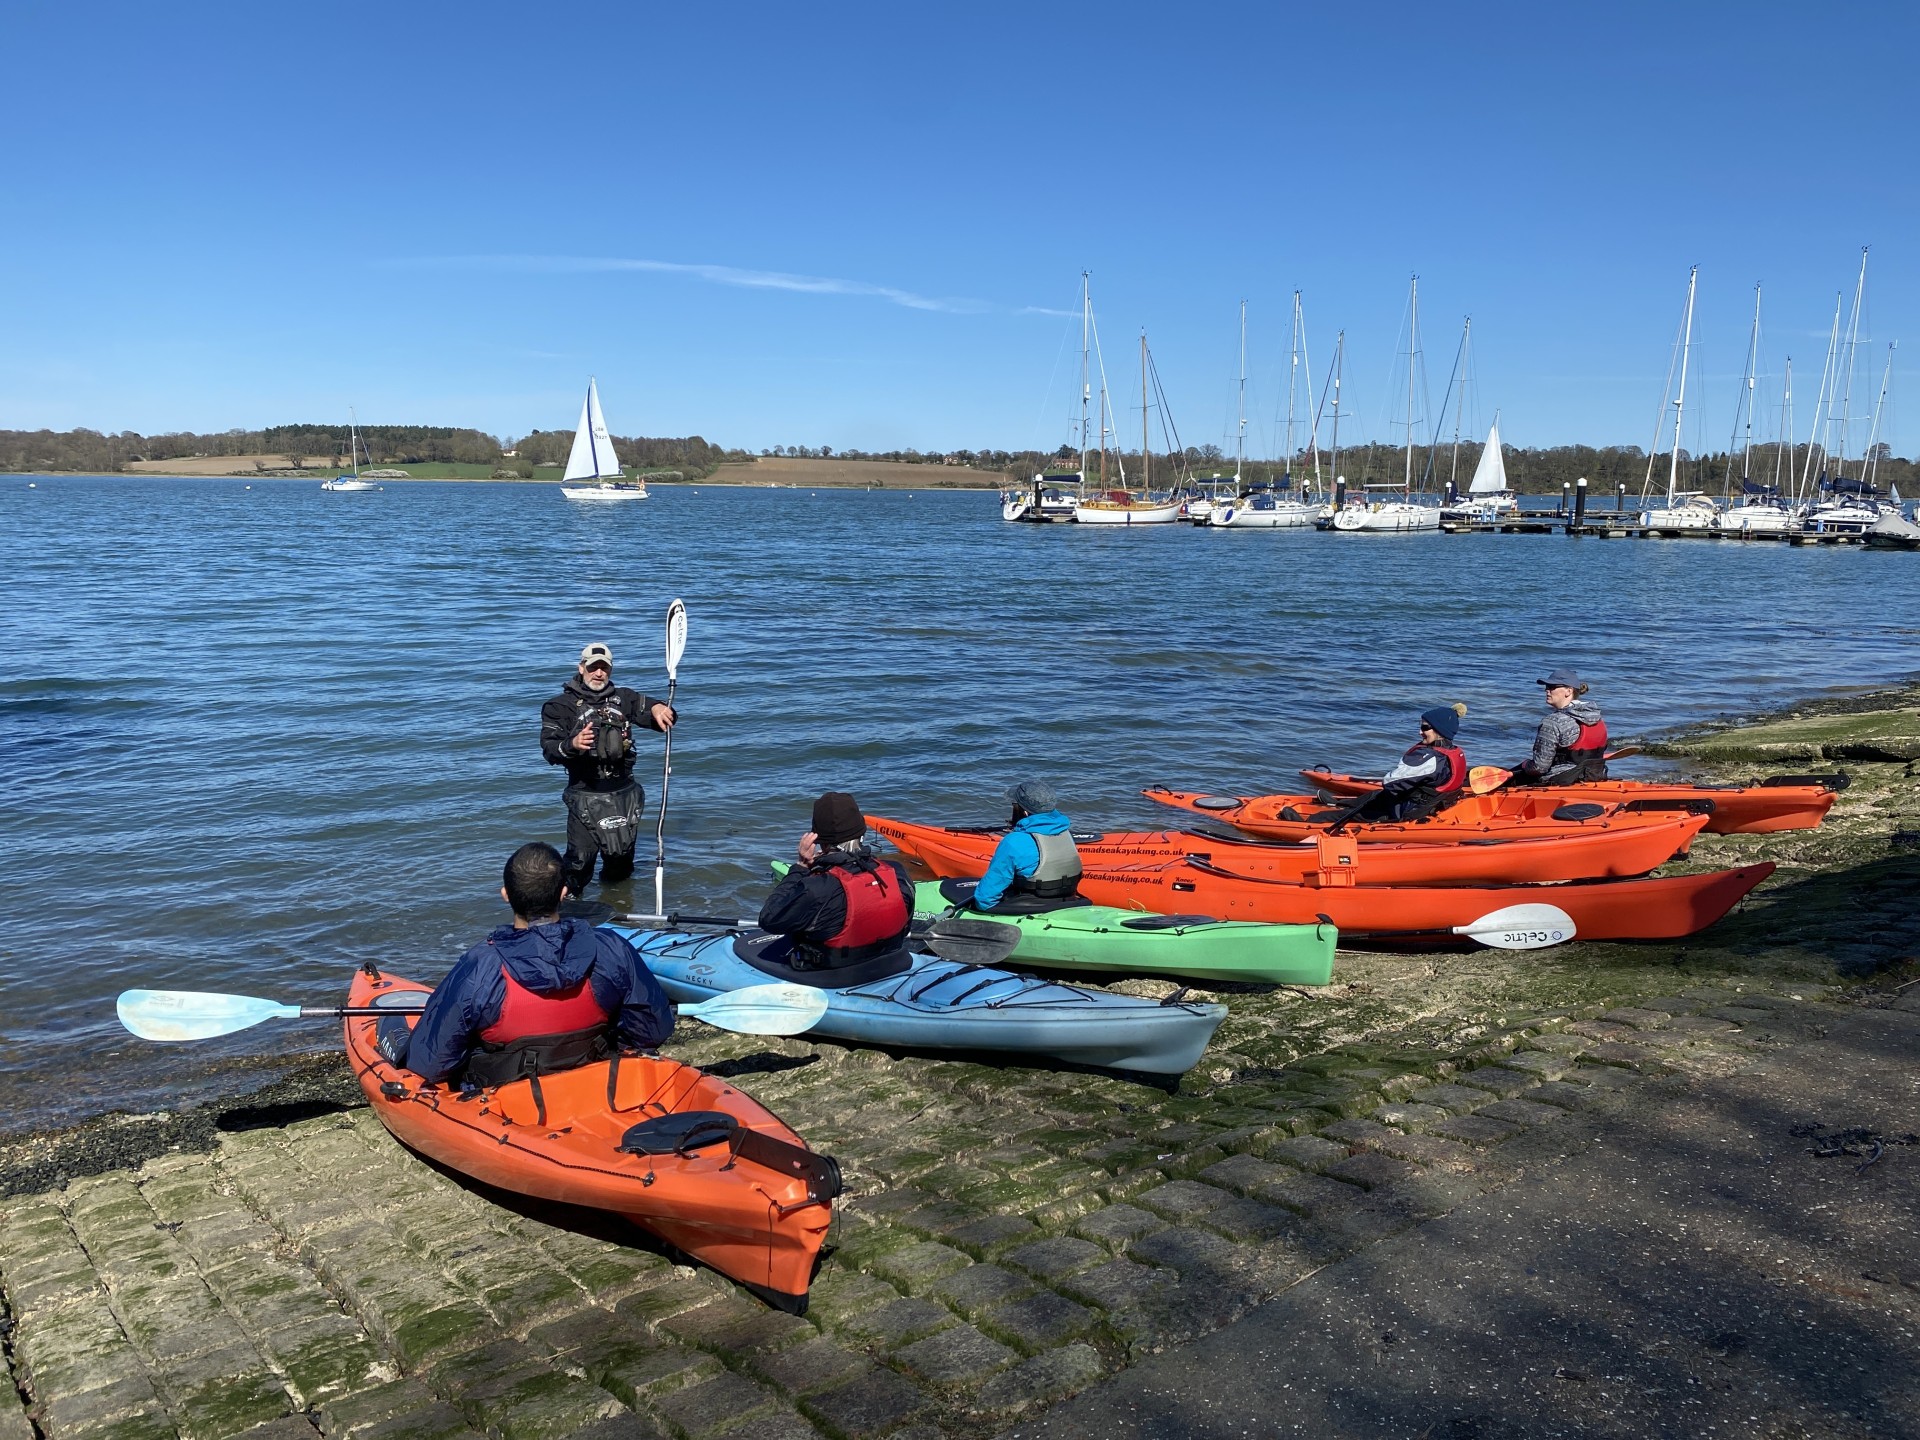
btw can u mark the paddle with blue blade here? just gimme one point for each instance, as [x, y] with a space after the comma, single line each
[171, 1015]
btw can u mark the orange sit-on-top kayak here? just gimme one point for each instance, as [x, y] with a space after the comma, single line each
[1652, 908]
[1505, 813]
[1624, 845]
[675, 1150]
[1781, 802]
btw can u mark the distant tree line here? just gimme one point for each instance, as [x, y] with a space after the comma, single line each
[691, 455]
[91, 452]
[1541, 471]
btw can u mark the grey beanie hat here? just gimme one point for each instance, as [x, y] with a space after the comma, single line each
[1036, 797]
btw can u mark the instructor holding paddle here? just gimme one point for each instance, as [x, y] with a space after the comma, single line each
[588, 729]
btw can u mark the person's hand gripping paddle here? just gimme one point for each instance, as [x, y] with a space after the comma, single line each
[676, 645]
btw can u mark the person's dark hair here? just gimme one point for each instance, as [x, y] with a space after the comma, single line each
[533, 878]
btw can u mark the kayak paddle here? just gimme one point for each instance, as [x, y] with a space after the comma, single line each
[968, 942]
[774, 1009]
[676, 646]
[1485, 779]
[1520, 927]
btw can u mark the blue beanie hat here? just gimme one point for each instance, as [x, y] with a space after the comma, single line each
[1444, 719]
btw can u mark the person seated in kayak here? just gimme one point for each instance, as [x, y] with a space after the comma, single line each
[1429, 777]
[1571, 744]
[1036, 859]
[842, 906]
[539, 995]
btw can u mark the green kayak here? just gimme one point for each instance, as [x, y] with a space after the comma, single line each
[1134, 942]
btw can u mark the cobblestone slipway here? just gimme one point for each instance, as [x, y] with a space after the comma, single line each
[1010, 1237]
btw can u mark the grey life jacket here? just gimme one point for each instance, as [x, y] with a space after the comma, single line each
[1057, 875]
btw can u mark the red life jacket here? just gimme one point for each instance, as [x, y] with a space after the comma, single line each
[1588, 752]
[538, 1034]
[1456, 759]
[878, 915]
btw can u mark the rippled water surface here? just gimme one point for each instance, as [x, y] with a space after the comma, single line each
[253, 734]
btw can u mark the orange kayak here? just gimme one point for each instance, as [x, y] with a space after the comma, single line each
[727, 1182]
[1783, 802]
[1652, 908]
[1506, 814]
[1628, 845]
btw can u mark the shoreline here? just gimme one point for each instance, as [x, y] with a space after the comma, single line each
[1461, 1155]
[116, 1138]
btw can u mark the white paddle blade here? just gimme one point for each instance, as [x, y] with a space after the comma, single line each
[193, 1015]
[762, 1009]
[1521, 927]
[676, 637]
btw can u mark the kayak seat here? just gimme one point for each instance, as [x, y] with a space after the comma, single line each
[1839, 781]
[960, 892]
[679, 1134]
[1580, 810]
[769, 955]
[693, 1130]
[1166, 922]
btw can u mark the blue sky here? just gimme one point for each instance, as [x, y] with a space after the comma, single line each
[858, 226]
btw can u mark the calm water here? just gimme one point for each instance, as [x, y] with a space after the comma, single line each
[253, 735]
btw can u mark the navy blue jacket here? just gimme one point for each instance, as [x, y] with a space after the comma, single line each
[543, 958]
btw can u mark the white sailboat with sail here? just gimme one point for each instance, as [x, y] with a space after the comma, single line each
[1488, 495]
[351, 482]
[592, 458]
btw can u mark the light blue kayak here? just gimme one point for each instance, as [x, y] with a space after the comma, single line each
[944, 1005]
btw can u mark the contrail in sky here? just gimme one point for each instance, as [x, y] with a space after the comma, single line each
[727, 275]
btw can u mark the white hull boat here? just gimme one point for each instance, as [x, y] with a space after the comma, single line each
[1046, 502]
[1488, 497]
[1743, 521]
[1263, 513]
[1684, 515]
[340, 484]
[1385, 517]
[592, 458]
[1120, 508]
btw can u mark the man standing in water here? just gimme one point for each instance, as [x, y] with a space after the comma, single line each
[588, 729]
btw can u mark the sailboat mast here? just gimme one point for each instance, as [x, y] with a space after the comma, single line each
[1339, 369]
[1815, 436]
[1870, 462]
[1853, 347]
[353, 441]
[1240, 446]
[1146, 457]
[1413, 346]
[1453, 471]
[1753, 352]
[1086, 326]
[1780, 460]
[1293, 385]
[1680, 400]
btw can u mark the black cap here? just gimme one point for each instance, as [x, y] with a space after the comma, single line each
[837, 819]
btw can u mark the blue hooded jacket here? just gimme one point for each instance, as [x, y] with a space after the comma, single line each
[1018, 853]
[543, 958]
